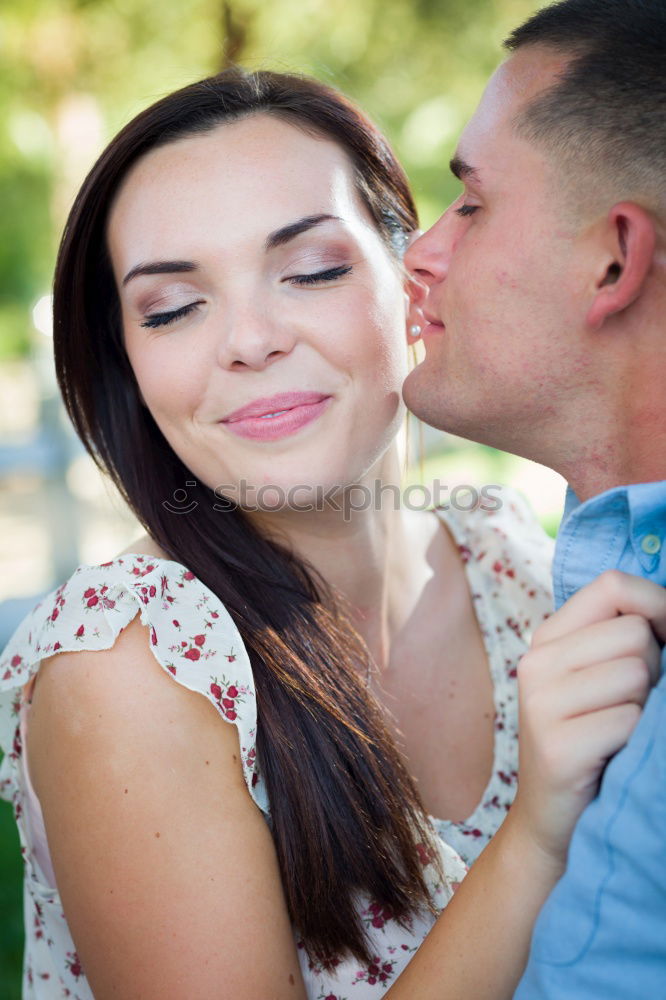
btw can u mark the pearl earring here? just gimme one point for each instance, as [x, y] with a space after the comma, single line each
[415, 331]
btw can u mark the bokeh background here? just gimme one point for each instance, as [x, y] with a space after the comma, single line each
[72, 72]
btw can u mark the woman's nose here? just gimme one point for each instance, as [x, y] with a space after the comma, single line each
[254, 340]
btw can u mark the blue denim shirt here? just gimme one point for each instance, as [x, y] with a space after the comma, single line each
[601, 934]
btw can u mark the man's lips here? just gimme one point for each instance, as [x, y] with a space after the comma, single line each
[431, 318]
[428, 321]
[268, 405]
[432, 326]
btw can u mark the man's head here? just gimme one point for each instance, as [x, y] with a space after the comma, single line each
[606, 116]
[548, 272]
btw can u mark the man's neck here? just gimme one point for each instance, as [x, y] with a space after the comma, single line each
[617, 436]
[631, 451]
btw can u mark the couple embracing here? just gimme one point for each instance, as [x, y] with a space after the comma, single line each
[273, 752]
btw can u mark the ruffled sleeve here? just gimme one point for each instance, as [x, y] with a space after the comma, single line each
[192, 636]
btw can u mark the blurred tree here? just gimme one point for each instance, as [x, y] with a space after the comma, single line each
[73, 71]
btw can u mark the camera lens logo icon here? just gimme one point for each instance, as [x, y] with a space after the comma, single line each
[180, 497]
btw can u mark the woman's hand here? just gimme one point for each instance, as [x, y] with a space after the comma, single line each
[582, 687]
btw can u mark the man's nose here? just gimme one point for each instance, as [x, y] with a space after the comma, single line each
[427, 259]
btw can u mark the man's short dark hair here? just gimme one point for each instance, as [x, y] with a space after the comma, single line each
[606, 115]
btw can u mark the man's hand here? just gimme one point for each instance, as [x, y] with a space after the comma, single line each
[582, 687]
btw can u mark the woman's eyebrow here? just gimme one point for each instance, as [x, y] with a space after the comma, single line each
[161, 267]
[275, 239]
[281, 236]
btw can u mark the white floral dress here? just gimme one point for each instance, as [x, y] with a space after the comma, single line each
[195, 640]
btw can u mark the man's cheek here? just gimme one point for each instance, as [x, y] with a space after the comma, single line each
[505, 279]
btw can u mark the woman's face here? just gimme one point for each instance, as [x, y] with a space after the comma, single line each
[263, 316]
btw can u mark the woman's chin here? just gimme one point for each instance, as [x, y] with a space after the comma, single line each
[282, 496]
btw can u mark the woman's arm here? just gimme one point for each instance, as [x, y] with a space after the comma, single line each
[479, 946]
[588, 672]
[166, 868]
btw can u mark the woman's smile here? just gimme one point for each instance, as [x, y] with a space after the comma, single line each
[277, 416]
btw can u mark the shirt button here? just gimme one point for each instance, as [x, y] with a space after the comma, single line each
[651, 544]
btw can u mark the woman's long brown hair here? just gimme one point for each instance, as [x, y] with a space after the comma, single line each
[345, 814]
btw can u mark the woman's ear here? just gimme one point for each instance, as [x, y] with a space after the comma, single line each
[630, 240]
[415, 295]
[410, 282]
[415, 292]
[414, 321]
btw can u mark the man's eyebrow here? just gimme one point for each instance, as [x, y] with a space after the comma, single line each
[460, 169]
[161, 267]
[294, 229]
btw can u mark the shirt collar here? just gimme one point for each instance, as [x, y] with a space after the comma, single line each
[622, 528]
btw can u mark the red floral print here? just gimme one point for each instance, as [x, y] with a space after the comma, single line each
[376, 972]
[74, 964]
[377, 915]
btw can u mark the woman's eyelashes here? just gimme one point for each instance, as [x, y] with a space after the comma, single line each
[331, 274]
[165, 318]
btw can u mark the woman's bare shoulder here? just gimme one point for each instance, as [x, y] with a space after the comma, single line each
[74, 689]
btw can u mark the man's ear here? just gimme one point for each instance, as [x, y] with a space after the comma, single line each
[630, 241]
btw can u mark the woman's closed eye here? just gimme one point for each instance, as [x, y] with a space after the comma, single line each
[332, 274]
[164, 318]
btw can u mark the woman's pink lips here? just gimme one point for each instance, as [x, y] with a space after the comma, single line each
[270, 428]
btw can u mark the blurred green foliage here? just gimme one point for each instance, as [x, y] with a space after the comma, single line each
[416, 66]
[11, 910]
